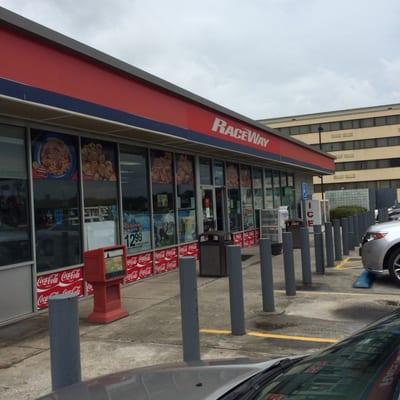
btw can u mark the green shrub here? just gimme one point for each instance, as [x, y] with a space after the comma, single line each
[346, 211]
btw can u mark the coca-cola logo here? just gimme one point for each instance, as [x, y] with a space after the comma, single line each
[144, 272]
[74, 290]
[71, 275]
[170, 253]
[192, 247]
[159, 255]
[43, 299]
[144, 258]
[47, 281]
[171, 265]
[132, 276]
[131, 261]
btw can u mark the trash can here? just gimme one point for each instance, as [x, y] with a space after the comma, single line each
[212, 253]
[294, 225]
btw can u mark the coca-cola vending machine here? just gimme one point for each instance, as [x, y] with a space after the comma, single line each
[105, 269]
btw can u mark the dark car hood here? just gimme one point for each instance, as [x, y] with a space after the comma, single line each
[203, 380]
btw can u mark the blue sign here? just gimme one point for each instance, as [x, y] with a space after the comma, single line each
[304, 190]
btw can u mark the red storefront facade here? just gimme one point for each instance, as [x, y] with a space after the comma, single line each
[172, 164]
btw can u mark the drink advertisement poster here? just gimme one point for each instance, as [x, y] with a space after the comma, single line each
[54, 156]
[164, 229]
[137, 231]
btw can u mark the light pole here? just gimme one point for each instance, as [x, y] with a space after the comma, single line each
[320, 129]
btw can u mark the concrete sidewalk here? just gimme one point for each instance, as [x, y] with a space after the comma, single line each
[329, 310]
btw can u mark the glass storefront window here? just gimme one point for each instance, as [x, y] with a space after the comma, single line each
[219, 176]
[55, 171]
[234, 202]
[205, 171]
[258, 194]
[247, 197]
[163, 198]
[100, 190]
[268, 191]
[186, 198]
[135, 199]
[15, 244]
[276, 188]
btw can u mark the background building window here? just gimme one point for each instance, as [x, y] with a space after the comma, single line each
[163, 198]
[58, 225]
[186, 198]
[135, 199]
[235, 209]
[276, 188]
[219, 175]
[100, 190]
[15, 246]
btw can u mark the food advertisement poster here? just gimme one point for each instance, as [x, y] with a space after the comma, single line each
[54, 156]
[98, 161]
[161, 167]
[232, 176]
[187, 225]
[137, 231]
[184, 170]
[164, 229]
[245, 177]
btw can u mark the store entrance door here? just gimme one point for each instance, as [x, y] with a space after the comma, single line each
[220, 208]
[213, 202]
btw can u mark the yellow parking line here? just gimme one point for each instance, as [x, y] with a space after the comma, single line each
[272, 336]
[342, 263]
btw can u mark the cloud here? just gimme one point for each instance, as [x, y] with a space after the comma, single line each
[262, 58]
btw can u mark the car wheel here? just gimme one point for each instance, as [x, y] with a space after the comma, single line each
[394, 266]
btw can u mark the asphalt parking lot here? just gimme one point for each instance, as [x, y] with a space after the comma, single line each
[316, 317]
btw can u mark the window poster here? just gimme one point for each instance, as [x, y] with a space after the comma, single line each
[245, 177]
[164, 229]
[184, 170]
[187, 225]
[161, 167]
[232, 176]
[54, 156]
[98, 161]
[137, 231]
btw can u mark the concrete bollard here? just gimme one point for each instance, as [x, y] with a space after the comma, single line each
[288, 263]
[337, 239]
[330, 259]
[189, 309]
[319, 262]
[305, 256]
[234, 261]
[64, 338]
[318, 229]
[267, 280]
[345, 235]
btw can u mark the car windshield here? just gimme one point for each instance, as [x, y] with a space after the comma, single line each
[366, 366]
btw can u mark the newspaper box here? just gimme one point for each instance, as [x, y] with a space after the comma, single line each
[104, 269]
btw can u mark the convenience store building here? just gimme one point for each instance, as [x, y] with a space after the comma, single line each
[95, 152]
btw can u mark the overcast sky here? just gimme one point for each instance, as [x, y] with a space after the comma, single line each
[261, 58]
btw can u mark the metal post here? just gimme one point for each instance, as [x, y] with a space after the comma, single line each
[288, 263]
[189, 309]
[267, 282]
[380, 215]
[351, 233]
[64, 340]
[305, 256]
[319, 262]
[345, 235]
[330, 259]
[234, 262]
[355, 230]
[337, 239]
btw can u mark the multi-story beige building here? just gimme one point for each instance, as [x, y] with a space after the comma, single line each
[365, 141]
